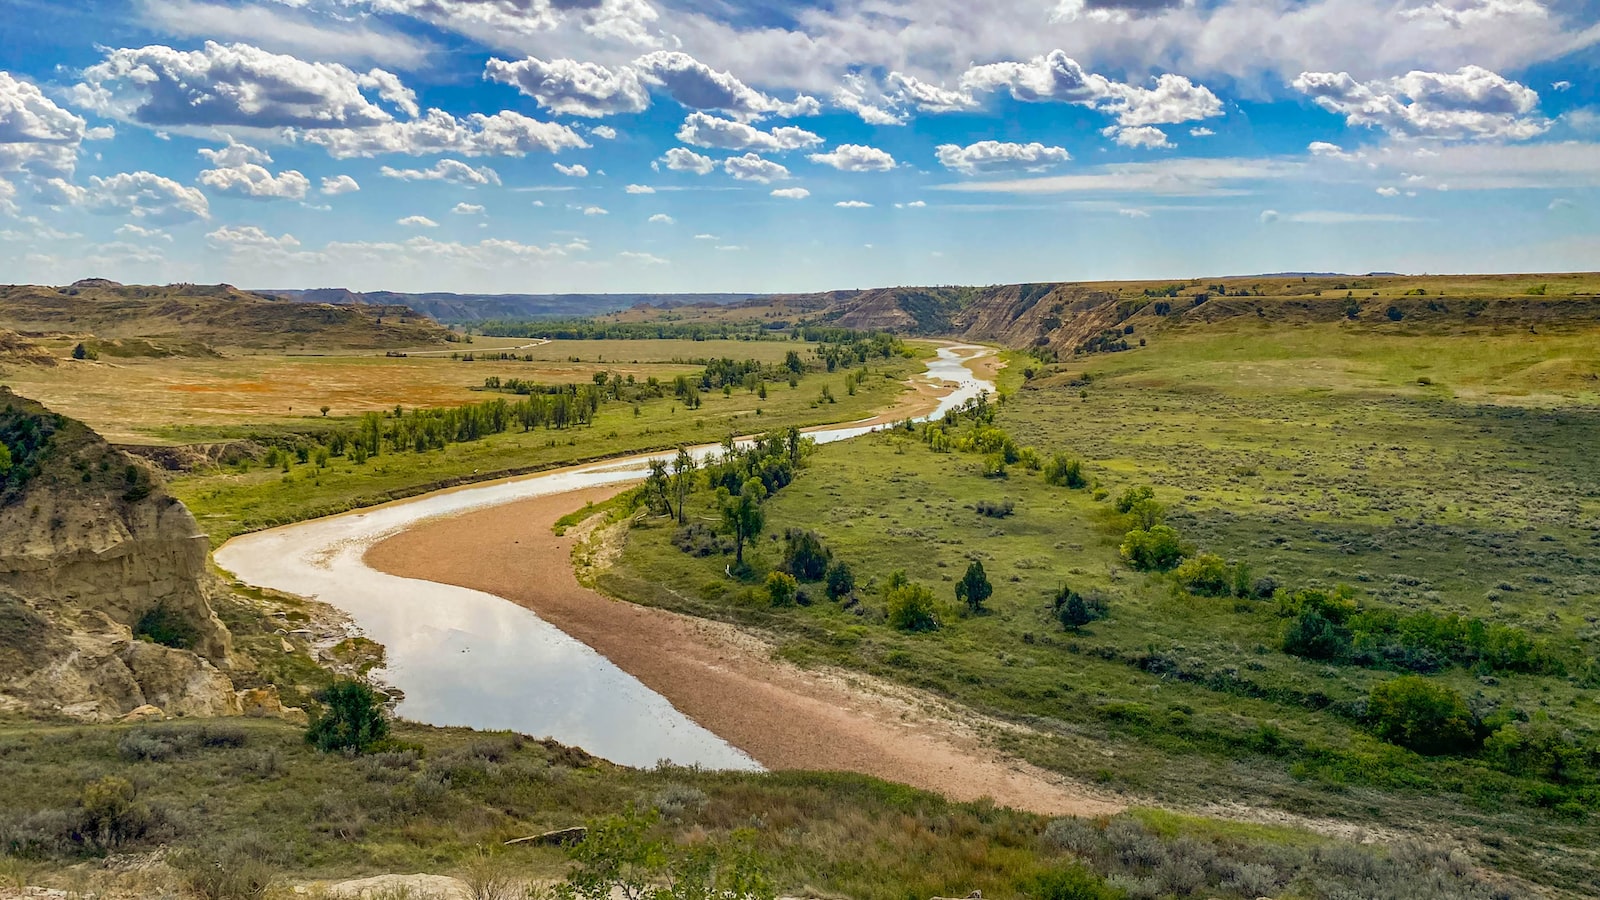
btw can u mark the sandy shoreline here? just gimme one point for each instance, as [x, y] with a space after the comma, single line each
[723, 677]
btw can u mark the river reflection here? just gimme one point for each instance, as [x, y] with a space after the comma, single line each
[464, 657]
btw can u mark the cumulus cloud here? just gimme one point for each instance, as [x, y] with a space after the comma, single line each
[662, 219]
[251, 180]
[680, 159]
[1112, 10]
[576, 170]
[646, 259]
[237, 84]
[573, 88]
[505, 133]
[1470, 103]
[858, 96]
[146, 196]
[1201, 131]
[452, 170]
[998, 156]
[1133, 213]
[915, 204]
[518, 22]
[36, 136]
[417, 222]
[794, 193]
[339, 184]
[751, 167]
[1388, 192]
[595, 211]
[698, 86]
[1147, 136]
[639, 189]
[1332, 151]
[235, 154]
[604, 132]
[131, 230]
[855, 158]
[467, 209]
[928, 97]
[1460, 13]
[249, 237]
[704, 130]
[1058, 77]
[853, 204]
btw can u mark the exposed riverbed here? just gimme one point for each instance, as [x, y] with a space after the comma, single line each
[466, 657]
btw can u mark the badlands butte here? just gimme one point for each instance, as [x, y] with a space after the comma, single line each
[1276, 586]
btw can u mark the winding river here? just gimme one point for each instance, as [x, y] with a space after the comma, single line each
[464, 657]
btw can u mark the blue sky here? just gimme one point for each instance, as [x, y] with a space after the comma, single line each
[639, 145]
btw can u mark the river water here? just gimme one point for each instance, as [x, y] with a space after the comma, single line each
[464, 657]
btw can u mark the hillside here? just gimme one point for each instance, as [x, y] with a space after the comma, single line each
[179, 316]
[461, 308]
[1067, 317]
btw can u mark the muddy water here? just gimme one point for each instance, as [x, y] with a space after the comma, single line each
[464, 657]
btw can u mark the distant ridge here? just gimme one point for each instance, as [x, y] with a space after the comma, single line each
[466, 308]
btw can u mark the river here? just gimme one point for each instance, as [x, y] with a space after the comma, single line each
[464, 657]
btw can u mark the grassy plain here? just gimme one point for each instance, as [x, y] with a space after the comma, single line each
[1446, 473]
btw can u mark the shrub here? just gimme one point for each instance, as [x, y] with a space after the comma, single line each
[804, 555]
[112, 814]
[1419, 714]
[1155, 549]
[1337, 606]
[1207, 575]
[840, 580]
[353, 719]
[164, 625]
[1070, 883]
[974, 587]
[700, 539]
[994, 466]
[912, 608]
[995, 509]
[781, 588]
[1075, 610]
[1065, 471]
[1312, 636]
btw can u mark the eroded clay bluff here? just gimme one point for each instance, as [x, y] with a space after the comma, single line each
[93, 550]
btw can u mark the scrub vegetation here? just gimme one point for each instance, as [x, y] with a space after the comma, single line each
[1311, 569]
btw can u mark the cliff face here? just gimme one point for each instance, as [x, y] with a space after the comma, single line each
[92, 550]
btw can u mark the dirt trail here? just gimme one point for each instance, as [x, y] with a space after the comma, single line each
[723, 677]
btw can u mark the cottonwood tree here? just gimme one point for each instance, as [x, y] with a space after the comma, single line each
[683, 469]
[742, 515]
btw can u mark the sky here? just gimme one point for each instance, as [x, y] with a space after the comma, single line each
[764, 146]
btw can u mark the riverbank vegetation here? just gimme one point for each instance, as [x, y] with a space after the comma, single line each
[1327, 575]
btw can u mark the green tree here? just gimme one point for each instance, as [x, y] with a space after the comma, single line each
[912, 608]
[1313, 636]
[1207, 575]
[683, 469]
[782, 588]
[352, 719]
[840, 580]
[626, 856]
[1415, 712]
[974, 587]
[1074, 613]
[1134, 495]
[5, 461]
[804, 555]
[1155, 549]
[742, 515]
[1062, 470]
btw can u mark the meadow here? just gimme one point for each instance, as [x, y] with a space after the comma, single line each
[1446, 474]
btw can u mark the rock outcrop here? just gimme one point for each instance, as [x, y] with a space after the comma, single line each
[104, 591]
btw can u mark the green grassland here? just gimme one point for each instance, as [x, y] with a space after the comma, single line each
[231, 499]
[1446, 473]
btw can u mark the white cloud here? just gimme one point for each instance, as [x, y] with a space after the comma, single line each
[794, 193]
[146, 196]
[858, 96]
[698, 86]
[131, 230]
[1269, 215]
[604, 132]
[296, 30]
[706, 237]
[453, 171]
[36, 136]
[1147, 136]
[915, 204]
[644, 259]
[1560, 86]
[235, 154]
[573, 88]
[1470, 103]
[1060, 78]
[595, 211]
[576, 170]
[251, 180]
[1339, 217]
[1184, 177]
[1333, 151]
[1547, 165]
[1133, 213]
[853, 204]
[1561, 203]
[523, 23]
[417, 222]
[680, 159]
[639, 189]
[1200, 132]
[1471, 12]
[704, 130]
[236, 84]
[505, 133]
[249, 237]
[1388, 192]
[751, 167]
[662, 219]
[997, 156]
[467, 209]
[912, 91]
[339, 184]
[1117, 11]
[729, 247]
[855, 158]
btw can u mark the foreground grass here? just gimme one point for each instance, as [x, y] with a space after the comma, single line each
[1315, 455]
[228, 501]
[251, 792]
